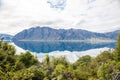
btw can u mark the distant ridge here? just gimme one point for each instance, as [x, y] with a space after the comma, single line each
[47, 33]
[6, 37]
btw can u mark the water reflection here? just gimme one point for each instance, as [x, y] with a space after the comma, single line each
[47, 47]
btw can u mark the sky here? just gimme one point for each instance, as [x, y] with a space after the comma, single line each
[93, 15]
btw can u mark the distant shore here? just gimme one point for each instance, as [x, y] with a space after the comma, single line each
[87, 40]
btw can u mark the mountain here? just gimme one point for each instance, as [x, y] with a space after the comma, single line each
[6, 37]
[113, 35]
[46, 33]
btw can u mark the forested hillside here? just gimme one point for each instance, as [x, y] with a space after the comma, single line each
[25, 66]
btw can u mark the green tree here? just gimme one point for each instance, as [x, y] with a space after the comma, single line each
[117, 49]
[104, 56]
[60, 60]
[28, 59]
[103, 72]
[59, 72]
[46, 60]
[84, 60]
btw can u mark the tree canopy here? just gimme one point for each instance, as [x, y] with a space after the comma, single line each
[105, 66]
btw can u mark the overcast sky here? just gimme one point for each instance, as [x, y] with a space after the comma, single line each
[92, 15]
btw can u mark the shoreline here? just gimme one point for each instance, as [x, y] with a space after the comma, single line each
[87, 40]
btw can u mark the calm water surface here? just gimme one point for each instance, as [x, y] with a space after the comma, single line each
[47, 47]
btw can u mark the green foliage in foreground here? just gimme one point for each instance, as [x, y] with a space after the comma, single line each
[25, 66]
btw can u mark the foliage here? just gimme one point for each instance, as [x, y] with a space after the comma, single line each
[28, 59]
[105, 66]
[117, 49]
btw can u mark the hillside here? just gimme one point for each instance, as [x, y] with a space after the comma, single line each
[6, 37]
[46, 33]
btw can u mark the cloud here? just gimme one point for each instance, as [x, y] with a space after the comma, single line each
[0, 3]
[90, 1]
[57, 4]
[93, 15]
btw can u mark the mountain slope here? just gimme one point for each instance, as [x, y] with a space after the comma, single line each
[113, 35]
[46, 33]
[6, 37]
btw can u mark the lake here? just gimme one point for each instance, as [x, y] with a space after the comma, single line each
[72, 50]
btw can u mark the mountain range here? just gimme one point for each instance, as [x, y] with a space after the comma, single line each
[6, 37]
[47, 33]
